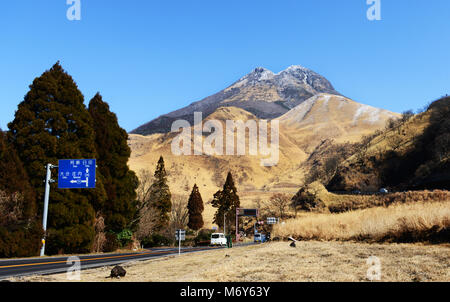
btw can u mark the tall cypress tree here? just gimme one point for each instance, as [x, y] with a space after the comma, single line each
[160, 196]
[53, 123]
[113, 153]
[195, 209]
[20, 230]
[226, 201]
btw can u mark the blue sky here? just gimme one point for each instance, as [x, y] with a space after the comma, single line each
[150, 57]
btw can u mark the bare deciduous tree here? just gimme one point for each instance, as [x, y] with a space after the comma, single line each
[280, 203]
[11, 208]
[179, 214]
[144, 189]
[146, 217]
[147, 223]
[100, 236]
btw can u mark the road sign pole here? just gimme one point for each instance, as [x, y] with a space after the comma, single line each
[237, 224]
[179, 243]
[75, 174]
[46, 198]
[180, 235]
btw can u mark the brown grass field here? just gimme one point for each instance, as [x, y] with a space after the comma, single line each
[412, 222]
[309, 261]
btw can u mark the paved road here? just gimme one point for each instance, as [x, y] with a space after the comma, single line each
[52, 265]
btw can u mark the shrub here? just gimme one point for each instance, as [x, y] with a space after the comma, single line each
[202, 237]
[306, 200]
[125, 237]
[156, 240]
[112, 243]
[22, 241]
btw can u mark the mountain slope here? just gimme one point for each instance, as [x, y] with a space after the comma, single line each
[413, 154]
[298, 133]
[304, 103]
[263, 93]
[326, 116]
[209, 172]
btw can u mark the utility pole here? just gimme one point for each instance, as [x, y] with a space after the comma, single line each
[48, 181]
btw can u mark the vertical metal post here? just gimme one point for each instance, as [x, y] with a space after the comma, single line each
[179, 242]
[237, 224]
[46, 198]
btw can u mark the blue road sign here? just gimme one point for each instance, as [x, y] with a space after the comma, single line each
[76, 173]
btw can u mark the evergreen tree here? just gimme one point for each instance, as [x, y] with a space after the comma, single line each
[53, 123]
[195, 209]
[113, 153]
[226, 201]
[20, 230]
[160, 196]
[14, 179]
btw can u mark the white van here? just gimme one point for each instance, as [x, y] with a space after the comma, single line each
[218, 239]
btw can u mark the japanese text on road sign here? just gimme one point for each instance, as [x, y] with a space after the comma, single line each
[76, 174]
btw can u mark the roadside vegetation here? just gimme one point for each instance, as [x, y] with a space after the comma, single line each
[415, 222]
[20, 229]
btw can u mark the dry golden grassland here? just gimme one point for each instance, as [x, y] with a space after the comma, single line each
[309, 261]
[343, 203]
[414, 222]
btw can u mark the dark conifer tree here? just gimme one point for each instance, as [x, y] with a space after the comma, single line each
[160, 196]
[113, 153]
[20, 229]
[53, 123]
[226, 201]
[195, 209]
[14, 179]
